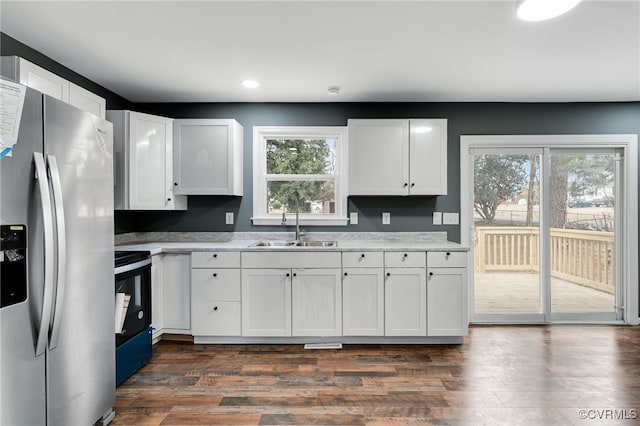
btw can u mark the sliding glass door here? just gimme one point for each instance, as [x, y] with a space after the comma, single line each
[545, 234]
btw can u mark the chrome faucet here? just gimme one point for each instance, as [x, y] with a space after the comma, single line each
[296, 200]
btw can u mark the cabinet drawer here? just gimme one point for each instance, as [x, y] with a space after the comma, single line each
[215, 284]
[362, 259]
[447, 259]
[404, 259]
[213, 259]
[291, 259]
[215, 318]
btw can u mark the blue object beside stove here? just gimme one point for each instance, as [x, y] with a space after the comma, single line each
[132, 355]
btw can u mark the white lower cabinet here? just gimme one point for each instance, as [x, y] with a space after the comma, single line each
[363, 302]
[316, 305]
[447, 313]
[215, 294]
[266, 302]
[176, 299]
[157, 297]
[405, 302]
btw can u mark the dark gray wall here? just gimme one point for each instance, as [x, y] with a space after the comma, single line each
[407, 213]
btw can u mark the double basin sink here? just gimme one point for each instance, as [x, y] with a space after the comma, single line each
[294, 243]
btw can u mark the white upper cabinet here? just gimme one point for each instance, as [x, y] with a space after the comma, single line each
[82, 98]
[44, 81]
[143, 148]
[208, 157]
[398, 157]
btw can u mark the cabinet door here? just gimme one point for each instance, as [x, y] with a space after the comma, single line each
[150, 166]
[405, 302]
[447, 302]
[316, 302]
[266, 302]
[428, 157]
[215, 318]
[363, 302]
[157, 297]
[176, 293]
[81, 98]
[207, 158]
[44, 81]
[378, 157]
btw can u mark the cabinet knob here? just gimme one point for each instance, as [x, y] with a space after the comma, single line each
[287, 274]
[175, 183]
[405, 185]
[448, 254]
[215, 274]
[215, 308]
[215, 255]
[388, 274]
[430, 274]
[413, 184]
[405, 255]
[362, 255]
[168, 199]
[345, 274]
[294, 274]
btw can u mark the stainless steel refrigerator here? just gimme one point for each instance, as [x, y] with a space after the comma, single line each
[57, 316]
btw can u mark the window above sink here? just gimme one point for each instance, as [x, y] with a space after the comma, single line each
[306, 163]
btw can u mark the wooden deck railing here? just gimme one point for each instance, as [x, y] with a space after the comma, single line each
[581, 257]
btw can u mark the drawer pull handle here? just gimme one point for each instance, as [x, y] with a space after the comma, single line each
[215, 308]
[406, 255]
[448, 253]
[362, 255]
[388, 274]
[345, 274]
[215, 255]
[430, 274]
[287, 274]
[295, 275]
[215, 274]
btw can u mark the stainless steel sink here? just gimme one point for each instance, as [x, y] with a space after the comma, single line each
[273, 244]
[294, 243]
[316, 244]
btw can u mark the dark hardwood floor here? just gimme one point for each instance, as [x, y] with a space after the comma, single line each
[501, 375]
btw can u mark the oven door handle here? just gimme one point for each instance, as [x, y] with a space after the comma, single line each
[61, 277]
[130, 267]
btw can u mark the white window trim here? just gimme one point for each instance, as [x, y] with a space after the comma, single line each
[627, 142]
[260, 136]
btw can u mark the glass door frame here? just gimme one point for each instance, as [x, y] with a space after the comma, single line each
[627, 240]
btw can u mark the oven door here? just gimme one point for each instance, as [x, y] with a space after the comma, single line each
[134, 281]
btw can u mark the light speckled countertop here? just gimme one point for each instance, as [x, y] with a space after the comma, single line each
[185, 242]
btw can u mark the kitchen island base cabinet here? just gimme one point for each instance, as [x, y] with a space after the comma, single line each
[266, 302]
[405, 301]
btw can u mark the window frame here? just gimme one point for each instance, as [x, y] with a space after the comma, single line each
[260, 136]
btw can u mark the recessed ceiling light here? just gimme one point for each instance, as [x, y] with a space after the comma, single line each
[539, 10]
[250, 84]
[333, 90]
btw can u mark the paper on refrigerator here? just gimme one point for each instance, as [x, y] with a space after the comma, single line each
[11, 104]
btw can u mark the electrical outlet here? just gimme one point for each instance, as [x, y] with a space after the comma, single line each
[386, 218]
[229, 218]
[353, 218]
[451, 219]
[437, 218]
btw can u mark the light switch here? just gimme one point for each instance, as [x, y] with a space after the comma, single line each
[229, 218]
[386, 218]
[353, 218]
[451, 218]
[437, 218]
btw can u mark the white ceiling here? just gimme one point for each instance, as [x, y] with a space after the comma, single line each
[179, 51]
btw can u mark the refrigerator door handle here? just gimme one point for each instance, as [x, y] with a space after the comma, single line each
[61, 279]
[47, 219]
